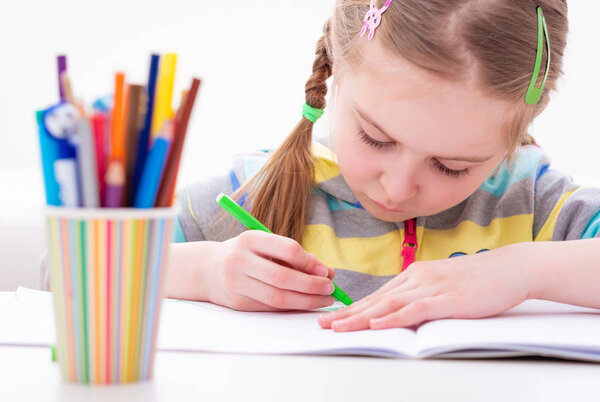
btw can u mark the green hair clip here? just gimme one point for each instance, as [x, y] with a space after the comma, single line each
[534, 94]
[311, 113]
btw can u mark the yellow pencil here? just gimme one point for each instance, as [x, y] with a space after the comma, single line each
[164, 93]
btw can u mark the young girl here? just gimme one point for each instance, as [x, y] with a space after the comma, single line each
[432, 200]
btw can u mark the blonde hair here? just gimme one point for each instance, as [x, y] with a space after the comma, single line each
[494, 39]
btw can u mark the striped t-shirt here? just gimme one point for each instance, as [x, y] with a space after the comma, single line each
[526, 201]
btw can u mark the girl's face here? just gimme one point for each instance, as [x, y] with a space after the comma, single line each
[410, 144]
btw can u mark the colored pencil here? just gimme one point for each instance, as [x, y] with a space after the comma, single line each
[61, 62]
[136, 101]
[100, 126]
[153, 168]
[143, 139]
[66, 87]
[118, 138]
[164, 93]
[115, 180]
[169, 178]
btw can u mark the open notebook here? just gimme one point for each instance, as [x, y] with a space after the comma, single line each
[533, 328]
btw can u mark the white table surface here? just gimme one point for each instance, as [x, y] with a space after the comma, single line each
[28, 374]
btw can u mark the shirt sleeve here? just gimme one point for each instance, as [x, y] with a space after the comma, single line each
[563, 210]
[200, 218]
[198, 211]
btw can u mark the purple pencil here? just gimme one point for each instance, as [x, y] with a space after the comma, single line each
[115, 183]
[62, 67]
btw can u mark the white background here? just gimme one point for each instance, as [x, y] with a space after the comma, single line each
[253, 57]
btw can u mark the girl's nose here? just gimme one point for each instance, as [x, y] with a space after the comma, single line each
[400, 183]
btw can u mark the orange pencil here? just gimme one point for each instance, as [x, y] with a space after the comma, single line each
[118, 116]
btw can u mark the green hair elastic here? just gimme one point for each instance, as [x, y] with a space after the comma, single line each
[534, 94]
[311, 113]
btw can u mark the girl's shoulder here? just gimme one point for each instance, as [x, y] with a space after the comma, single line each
[528, 164]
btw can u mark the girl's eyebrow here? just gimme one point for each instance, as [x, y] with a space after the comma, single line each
[472, 159]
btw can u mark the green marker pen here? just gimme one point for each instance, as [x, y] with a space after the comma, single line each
[252, 223]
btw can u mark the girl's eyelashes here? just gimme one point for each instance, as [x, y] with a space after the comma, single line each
[364, 137]
[456, 174]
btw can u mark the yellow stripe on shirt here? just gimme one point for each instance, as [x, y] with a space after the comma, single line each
[547, 229]
[381, 255]
[469, 238]
[326, 165]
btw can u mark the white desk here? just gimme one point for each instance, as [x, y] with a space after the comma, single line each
[27, 373]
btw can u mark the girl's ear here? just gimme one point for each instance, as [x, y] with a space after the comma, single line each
[542, 107]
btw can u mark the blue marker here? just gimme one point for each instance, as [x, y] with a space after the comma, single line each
[56, 127]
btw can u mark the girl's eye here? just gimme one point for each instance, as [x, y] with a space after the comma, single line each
[456, 174]
[364, 137]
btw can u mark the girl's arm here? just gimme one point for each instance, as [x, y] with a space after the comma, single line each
[565, 271]
[187, 261]
[480, 285]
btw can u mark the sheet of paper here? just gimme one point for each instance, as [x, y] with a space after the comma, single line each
[206, 327]
[535, 326]
[27, 318]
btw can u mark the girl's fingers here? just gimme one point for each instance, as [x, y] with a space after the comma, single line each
[284, 249]
[282, 299]
[389, 304]
[330, 273]
[415, 313]
[326, 319]
[286, 278]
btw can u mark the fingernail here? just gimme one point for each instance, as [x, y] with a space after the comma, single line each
[322, 270]
[331, 289]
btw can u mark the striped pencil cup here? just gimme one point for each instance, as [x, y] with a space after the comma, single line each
[108, 275]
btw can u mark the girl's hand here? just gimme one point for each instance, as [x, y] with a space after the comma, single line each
[470, 286]
[258, 271]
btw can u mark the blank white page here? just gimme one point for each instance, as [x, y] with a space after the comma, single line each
[535, 325]
[207, 327]
[27, 318]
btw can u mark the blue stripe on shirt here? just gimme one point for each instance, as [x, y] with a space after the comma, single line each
[524, 167]
[593, 228]
[235, 184]
[178, 235]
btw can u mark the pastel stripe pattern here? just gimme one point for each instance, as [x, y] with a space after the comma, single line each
[522, 201]
[108, 280]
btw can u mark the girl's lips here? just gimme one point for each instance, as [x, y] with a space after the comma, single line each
[385, 207]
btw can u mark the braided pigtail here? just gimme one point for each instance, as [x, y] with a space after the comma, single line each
[280, 192]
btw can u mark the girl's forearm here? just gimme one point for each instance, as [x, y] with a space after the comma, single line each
[188, 264]
[564, 271]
